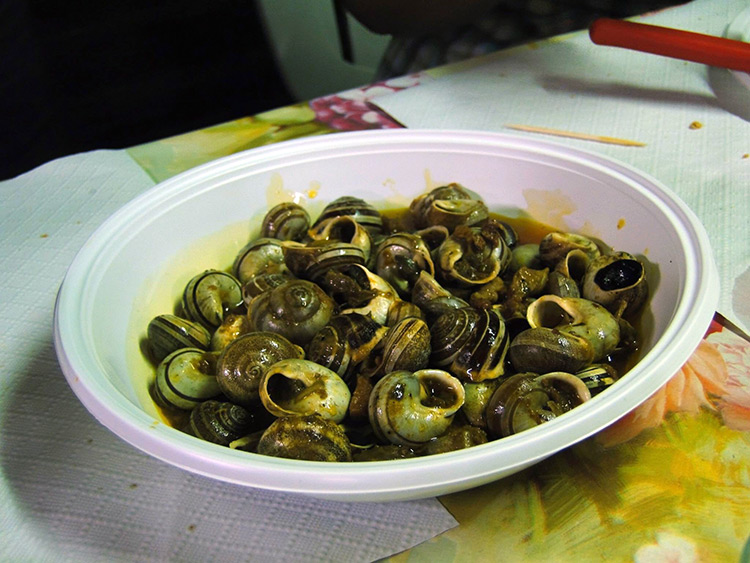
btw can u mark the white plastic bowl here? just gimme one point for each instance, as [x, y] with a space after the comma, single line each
[136, 263]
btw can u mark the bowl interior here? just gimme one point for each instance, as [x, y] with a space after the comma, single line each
[135, 266]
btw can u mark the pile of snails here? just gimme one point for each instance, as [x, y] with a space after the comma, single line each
[355, 337]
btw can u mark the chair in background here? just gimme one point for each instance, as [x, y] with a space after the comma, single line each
[319, 48]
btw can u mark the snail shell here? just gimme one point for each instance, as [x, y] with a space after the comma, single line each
[542, 350]
[524, 255]
[244, 361]
[525, 400]
[344, 343]
[475, 402]
[209, 296]
[297, 310]
[574, 264]
[186, 378]
[400, 258]
[312, 261]
[259, 256]
[454, 212]
[219, 422]
[379, 295]
[344, 229]
[448, 205]
[412, 408]
[285, 221]
[309, 437]
[364, 213]
[472, 256]
[579, 317]
[471, 344]
[405, 347]
[617, 281]
[300, 387]
[555, 246]
[168, 333]
[561, 285]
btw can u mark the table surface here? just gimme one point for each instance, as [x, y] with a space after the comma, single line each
[669, 481]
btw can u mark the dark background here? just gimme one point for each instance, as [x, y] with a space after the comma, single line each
[77, 75]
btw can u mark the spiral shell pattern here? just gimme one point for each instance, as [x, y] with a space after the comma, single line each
[219, 422]
[208, 296]
[364, 213]
[168, 333]
[296, 310]
[186, 378]
[244, 361]
[471, 344]
[285, 221]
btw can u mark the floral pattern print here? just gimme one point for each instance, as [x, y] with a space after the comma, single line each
[351, 110]
[668, 482]
[698, 384]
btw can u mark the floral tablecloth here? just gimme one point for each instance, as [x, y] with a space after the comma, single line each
[668, 482]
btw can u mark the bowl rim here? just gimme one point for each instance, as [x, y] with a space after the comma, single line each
[327, 480]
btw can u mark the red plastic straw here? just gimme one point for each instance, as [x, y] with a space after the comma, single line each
[684, 45]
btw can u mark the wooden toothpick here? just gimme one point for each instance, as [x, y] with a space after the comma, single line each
[574, 135]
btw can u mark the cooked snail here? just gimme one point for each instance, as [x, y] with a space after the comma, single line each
[296, 386]
[186, 378]
[412, 408]
[243, 362]
[297, 310]
[363, 337]
[209, 296]
[525, 400]
[169, 333]
[285, 221]
[310, 437]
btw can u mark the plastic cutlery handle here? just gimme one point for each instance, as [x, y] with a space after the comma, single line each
[685, 45]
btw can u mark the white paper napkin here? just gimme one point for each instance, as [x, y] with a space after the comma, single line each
[70, 490]
[694, 120]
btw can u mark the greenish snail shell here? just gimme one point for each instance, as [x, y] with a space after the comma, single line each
[262, 256]
[209, 296]
[617, 281]
[451, 205]
[470, 343]
[412, 408]
[344, 343]
[525, 400]
[400, 258]
[186, 378]
[285, 221]
[301, 387]
[169, 333]
[404, 347]
[364, 213]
